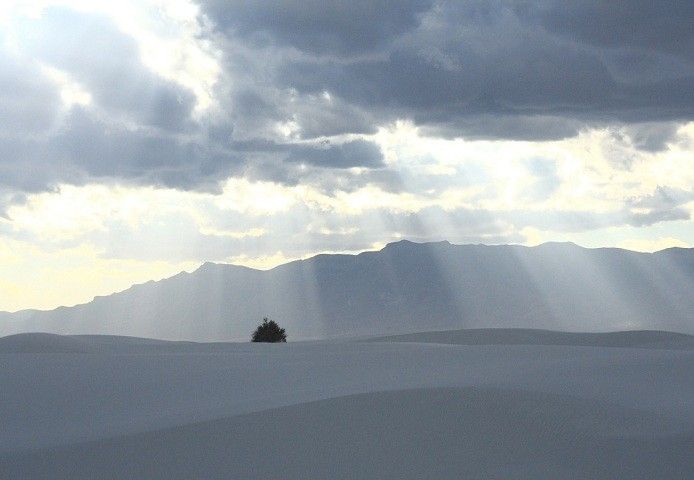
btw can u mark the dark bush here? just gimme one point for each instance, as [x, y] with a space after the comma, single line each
[269, 332]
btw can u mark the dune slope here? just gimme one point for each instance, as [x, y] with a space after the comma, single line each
[417, 434]
[119, 407]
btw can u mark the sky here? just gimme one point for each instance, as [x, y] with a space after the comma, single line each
[142, 138]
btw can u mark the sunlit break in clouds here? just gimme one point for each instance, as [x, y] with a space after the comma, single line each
[142, 138]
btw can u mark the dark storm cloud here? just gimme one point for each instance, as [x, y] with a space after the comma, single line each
[662, 197]
[93, 52]
[30, 106]
[256, 111]
[29, 165]
[492, 126]
[302, 71]
[665, 25]
[319, 118]
[103, 150]
[656, 216]
[496, 69]
[90, 148]
[665, 204]
[319, 26]
[652, 136]
[29, 103]
[30, 109]
[357, 153]
[327, 178]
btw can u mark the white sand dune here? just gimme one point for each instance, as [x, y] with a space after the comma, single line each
[418, 434]
[111, 407]
[53, 343]
[523, 336]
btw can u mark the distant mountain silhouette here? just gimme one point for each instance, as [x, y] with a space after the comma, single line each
[405, 287]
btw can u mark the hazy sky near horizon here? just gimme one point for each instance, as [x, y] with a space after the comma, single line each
[141, 138]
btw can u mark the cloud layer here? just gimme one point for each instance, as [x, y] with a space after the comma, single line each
[257, 130]
[305, 70]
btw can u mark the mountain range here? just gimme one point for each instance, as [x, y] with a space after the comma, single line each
[404, 287]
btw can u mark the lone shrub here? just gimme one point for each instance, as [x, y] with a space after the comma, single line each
[269, 332]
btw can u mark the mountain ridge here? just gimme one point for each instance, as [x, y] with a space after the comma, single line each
[402, 288]
[209, 264]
